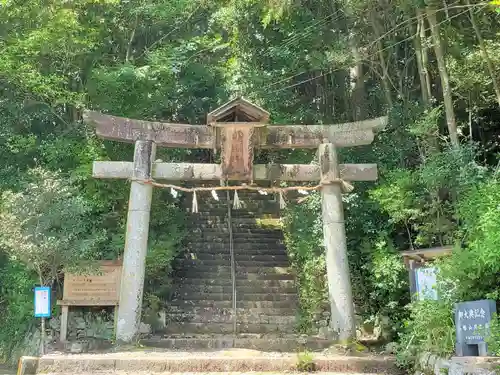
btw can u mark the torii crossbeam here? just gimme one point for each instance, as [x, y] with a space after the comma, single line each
[236, 129]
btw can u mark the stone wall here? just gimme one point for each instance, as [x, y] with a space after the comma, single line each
[88, 330]
[429, 364]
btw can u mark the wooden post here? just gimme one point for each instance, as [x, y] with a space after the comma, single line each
[42, 343]
[115, 320]
[64, 322]
[339, 283]
[136, 242]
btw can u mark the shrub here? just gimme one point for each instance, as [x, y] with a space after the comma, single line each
[16, 305]
[47, 225]
[430, 328]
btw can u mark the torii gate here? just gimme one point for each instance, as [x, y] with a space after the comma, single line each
[236, 128]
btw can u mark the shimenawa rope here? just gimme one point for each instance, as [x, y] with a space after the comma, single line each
[346, 187]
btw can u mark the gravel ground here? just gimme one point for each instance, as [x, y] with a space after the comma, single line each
[207, 373]
[235, 353]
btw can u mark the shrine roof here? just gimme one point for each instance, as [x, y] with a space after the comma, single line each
[246, 110]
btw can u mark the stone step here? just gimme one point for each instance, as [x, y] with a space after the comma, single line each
[290, 344]
[220, 247]
[212, 354]
[249, 200]
[226, 275]
[224, 229]
[223, 232]
[185, 304]
[235, 214]
[240, 257]
[224, 263]
[248, 207]
[209, 234]
[226, 328]
[224, 249]
[239, 245]
[236, 221]
[188, 289]
[291, 297]
[249, 311]
[250, 272]
[217, 281]
[223, 242]
[212, 317]
[198, 226]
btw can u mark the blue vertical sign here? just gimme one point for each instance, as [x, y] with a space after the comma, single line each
[42, 302]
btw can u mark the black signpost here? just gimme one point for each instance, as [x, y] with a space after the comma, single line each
[472, 321]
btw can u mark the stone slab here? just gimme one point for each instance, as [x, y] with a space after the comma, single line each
[432, 364]
[213, 172]
[472, 320]
[202, 136]
[220, 361]
[474, 365]
[267, 344]
[27, 366]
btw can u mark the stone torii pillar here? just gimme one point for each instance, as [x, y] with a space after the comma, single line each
[136, 243]
[337, 266]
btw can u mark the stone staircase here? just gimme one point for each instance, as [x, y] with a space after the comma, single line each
[201, 314]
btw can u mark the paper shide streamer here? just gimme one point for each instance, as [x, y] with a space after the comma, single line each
[236, 201]
[194, 206]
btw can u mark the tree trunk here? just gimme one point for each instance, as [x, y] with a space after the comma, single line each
[425, 53]
[430, 142]
[383, 63]
[484, 52]
[128, 54]
[420, 51]
[443, 74]
[357, 83]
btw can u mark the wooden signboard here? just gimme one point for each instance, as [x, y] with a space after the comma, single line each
[100, 289]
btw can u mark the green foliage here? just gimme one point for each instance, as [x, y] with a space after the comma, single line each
[381, 285]
[305, 362]
[16, 304]
[397, 196]
[472, 272]
[424, 200]
[177, 60]
[303, 238]
[47, 225]
[430, 328]
[470, 75]
[167, 231]
[493, 338]
[378, 274]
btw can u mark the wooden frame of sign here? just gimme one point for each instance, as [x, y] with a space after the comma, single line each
[416, 258]
[101, 289]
